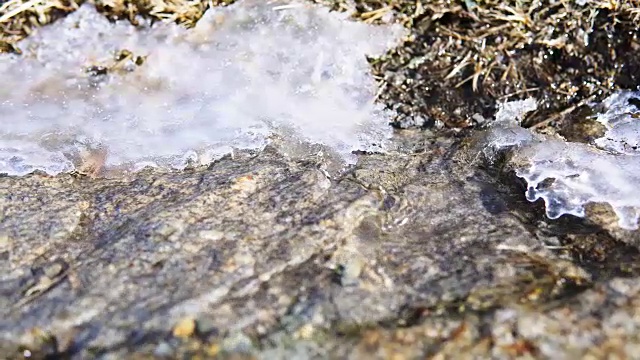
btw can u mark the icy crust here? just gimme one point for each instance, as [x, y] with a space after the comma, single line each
[623, 127]
[244, 74]
[566, 175]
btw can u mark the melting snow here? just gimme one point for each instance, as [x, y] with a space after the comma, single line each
[244, 74]
[576, 174]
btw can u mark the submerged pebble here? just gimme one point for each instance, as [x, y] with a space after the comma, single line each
[166, 96]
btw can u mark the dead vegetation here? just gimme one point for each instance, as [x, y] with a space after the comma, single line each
[18, 18]
[462, 58]
[467, 55]
[185, 12]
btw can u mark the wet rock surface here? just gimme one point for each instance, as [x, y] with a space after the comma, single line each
[430, 251]
[421, 252]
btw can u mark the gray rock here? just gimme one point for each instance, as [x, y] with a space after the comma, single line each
[415, 253]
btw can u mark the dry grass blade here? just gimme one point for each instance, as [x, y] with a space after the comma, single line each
[461, 65]
[562, 113]
[515, 15]
[372, 16]
[15, 10]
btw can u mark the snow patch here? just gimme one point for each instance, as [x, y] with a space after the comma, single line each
[168, 96]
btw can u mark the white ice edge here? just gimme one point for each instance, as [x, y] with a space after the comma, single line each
[607, 171]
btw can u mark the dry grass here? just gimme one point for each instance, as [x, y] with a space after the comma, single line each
[468, 55]
[185, 12]
[464, 56]
[18, 18]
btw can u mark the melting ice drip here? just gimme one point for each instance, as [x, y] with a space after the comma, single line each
[570, 175]
[244, 73]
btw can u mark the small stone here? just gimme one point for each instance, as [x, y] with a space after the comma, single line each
[237, 343]
[38, 343]
[184, 328]
[351, 271]
[212, 235]
[305, 332]
[213, 350]
[163, 350]
[54, 269]
[397, 356]
[4, 240]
